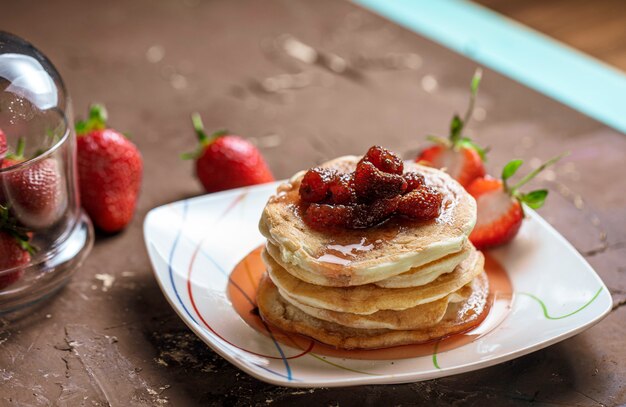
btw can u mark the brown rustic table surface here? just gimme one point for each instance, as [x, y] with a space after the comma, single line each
[111, 337]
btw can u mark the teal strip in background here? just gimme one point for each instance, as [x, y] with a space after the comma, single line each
[516, 51]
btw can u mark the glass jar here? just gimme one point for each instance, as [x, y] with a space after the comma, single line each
[44, 235]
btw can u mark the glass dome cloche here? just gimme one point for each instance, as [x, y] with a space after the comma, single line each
[44, 235]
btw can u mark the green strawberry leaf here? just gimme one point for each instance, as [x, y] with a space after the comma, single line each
[97, 120]
[510, 169]
[537, 170]
[23, 241]
[9, 225]
[204, 139]
[191, 155]
[81, 127]
[535, 199]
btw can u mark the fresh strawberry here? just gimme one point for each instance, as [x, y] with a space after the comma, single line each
[15, 249]
[463, 163]
[110, 169]
[3, 146]
[500, 211]
[459, 155]
[34, 193]
[225, 161]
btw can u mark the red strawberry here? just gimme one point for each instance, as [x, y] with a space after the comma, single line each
[423, 203]
[370, 183]
[225, 161]
[315, 184]
[15, 249]
[500, 211]
[462, 158]
[12, 256]
[35, 192]
[3, 146]
[384, 160]
[463, 163]
[110, 169]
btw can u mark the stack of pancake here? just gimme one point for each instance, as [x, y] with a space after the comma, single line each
[395, 284]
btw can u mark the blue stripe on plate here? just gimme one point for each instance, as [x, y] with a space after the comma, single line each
[516, 51]
[170, 262]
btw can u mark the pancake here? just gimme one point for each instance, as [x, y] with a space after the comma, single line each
[372, 254]
[418, 317]
[458, 318]
[367, 299]
[429, 272]
[415, 277]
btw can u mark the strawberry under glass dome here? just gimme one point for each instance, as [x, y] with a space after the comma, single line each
[44, 235]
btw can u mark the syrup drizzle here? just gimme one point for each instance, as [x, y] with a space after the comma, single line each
[247, 274]
[344, 254]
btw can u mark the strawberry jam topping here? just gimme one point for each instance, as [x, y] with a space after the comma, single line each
[376, 191]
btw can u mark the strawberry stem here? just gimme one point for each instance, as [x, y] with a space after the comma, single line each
[18, 155]
[478, 74]
[198, 126]
[21, 147]
[439, 140]
[456, 140]
[536, 171]
[204, 139]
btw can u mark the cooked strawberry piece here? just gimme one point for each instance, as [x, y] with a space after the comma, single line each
[315, 184]
[328, 216]
[421, 204]
[368, 215]
[358, 216]
[414, 181]
[384, 160]
[372, 184]
[368, 196]
[341, 190]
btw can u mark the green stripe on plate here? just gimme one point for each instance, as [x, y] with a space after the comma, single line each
[516, 51]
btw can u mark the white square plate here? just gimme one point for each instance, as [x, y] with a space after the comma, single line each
[194, 245]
